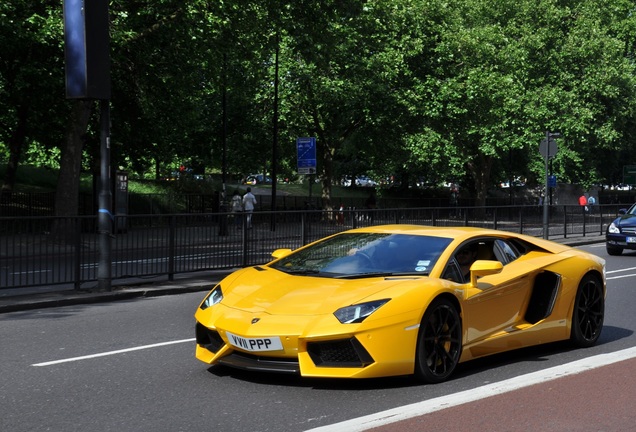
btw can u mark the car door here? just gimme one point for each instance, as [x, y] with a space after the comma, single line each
[497, 303]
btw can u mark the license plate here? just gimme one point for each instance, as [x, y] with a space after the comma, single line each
[631, 239]
[271, 343]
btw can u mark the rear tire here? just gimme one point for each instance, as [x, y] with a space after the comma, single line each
[439, 342]
[589, 312]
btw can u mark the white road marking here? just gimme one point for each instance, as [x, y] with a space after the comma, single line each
[426, 407]
[621, 270]
[108, 353]
[29, 272]
[621, 277]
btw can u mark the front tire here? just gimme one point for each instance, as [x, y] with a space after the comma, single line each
[589, 312]
[614, 251]
[439, 342]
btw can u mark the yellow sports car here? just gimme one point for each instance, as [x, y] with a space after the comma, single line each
[400, 300]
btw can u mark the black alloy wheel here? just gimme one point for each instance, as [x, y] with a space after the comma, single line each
[439, 342]
[589, 312]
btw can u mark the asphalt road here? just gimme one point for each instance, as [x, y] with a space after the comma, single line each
[130, 366]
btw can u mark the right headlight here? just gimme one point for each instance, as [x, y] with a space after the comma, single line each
[214, 297]
[613, 229]
[359, 312]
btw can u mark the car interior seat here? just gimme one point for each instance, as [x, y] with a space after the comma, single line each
[485, 252]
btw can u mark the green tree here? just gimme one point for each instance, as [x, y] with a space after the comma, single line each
[32, 107]
[511, 70]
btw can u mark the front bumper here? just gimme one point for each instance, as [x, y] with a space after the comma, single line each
[387, 349]
[621, 241]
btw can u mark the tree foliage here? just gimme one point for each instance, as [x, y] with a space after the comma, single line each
[419, 89]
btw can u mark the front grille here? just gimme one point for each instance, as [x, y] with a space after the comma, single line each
[342, 353]
[240, 360]
[208, 339]
[628, 230]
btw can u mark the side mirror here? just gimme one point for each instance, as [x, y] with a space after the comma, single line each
[484, 268]
[622, 211]
[280, 253]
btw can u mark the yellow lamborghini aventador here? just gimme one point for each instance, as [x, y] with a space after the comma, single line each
[401, 299]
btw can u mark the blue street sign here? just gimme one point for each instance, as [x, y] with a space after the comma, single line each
[306, 151]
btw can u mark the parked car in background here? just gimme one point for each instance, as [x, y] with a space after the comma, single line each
[364, 181]
[254, 179]
[359, 181]
[621, 233]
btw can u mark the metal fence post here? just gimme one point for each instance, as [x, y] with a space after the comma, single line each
[77, 253]
[171, 246]
[244, 241]
[303, 230]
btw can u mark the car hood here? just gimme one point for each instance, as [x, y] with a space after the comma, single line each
[626, 220]
[274, 292]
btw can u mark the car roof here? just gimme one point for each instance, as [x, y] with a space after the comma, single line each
[461, 234]
[434, 231]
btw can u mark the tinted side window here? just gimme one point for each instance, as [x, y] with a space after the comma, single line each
[506, 253]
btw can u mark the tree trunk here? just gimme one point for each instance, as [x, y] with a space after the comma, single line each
[328, 153]
[480, 170]
[16, 144]
[67, 193]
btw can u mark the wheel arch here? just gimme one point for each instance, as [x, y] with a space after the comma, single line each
[448, 296]
[591, 272]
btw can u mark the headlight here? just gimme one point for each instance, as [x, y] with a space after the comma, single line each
[613, 229]
[215, 296]
[357, 313]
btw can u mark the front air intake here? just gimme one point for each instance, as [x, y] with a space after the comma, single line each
[341, 353]
[208, 339]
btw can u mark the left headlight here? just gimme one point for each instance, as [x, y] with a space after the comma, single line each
[613, 229]
[357, 313]
[214, 297]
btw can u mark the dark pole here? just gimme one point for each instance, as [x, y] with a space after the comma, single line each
[224, 126]
[275, 138]
[105, 216]
[546, 224]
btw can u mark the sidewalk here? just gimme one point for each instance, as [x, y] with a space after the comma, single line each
[22, 299]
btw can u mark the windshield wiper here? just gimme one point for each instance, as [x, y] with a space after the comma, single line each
[380, 274]
[303, 272]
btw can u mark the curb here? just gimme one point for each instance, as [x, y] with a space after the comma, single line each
[74, 299]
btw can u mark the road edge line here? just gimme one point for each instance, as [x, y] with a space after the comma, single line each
[382, 418]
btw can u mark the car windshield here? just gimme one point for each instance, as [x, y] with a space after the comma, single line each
[366, 254]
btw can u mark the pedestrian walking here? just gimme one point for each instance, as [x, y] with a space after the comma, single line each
[237, 208]
[249, 203]
[591, 201]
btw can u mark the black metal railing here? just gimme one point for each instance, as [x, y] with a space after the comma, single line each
[41, 251]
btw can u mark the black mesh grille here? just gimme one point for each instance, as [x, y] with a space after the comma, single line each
[208, 339]
[345, 353]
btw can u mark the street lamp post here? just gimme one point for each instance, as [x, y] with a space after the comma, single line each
[548, 149]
